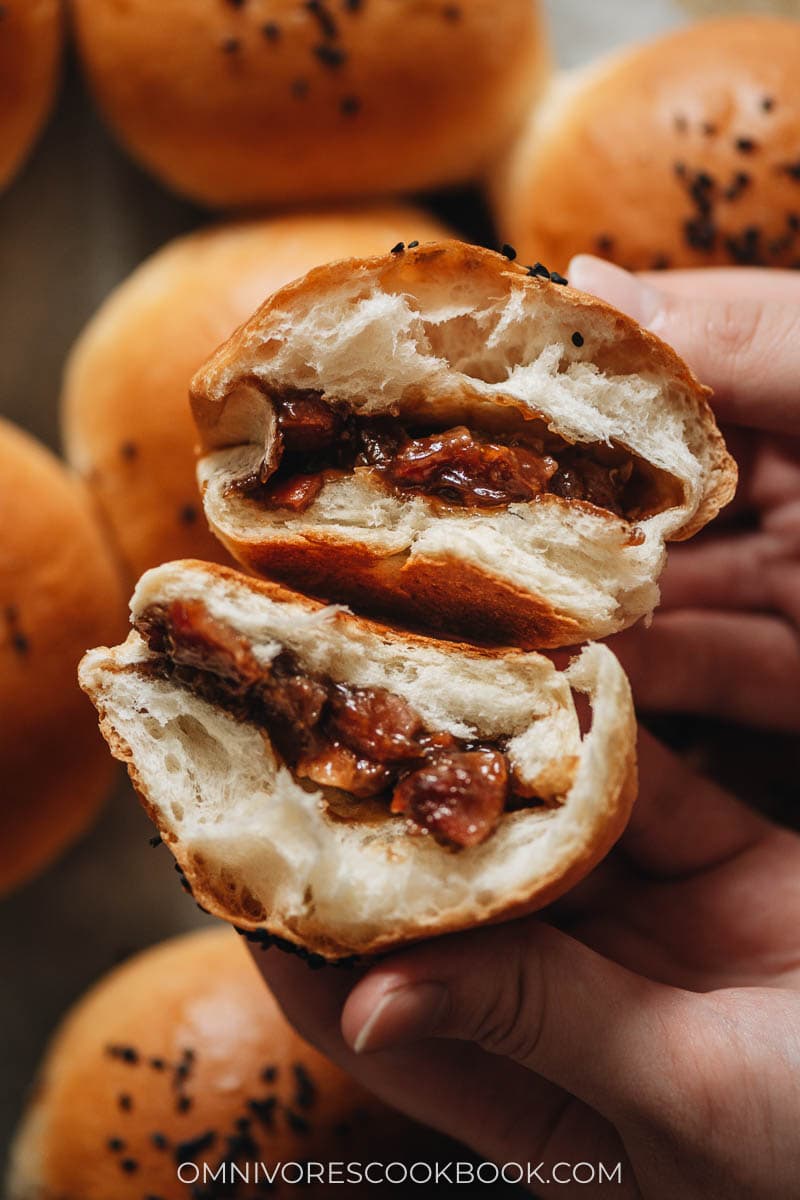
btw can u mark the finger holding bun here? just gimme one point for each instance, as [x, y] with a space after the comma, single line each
[126, 420]
[31, 40]
[682, 152]
[282, 102]
[60, 590]
[181, 1058]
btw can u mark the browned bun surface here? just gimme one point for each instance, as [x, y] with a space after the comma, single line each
[125, 412]
[245, 104]
[31, 38]
[59, 592]
[181, 1055]
[683, 152]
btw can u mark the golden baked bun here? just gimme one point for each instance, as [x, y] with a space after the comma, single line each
[60, 591]
[126, 420]
[684, 152]
[31, 39]
[181, 1055]
[280, 102]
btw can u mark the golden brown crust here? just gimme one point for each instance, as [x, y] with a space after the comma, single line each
[125, 414]
[31, 40]
[679, 153]
[600, 806]
[199, 993]
[239, 105]
[59, 593]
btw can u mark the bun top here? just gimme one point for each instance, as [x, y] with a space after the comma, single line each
[60, 592]
[127, 425]
[31, 38]
[243, 104]
[683, 152]
[445, 328]
[181, 1055]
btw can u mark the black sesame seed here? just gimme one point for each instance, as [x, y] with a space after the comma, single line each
[352, 5]
[305, 1092]
[451, 12]
[231, 45]
[156, 841]
[577, 339]
[792, 170]
[125, 1102]
[700, 233]
[20, 642]
[188, 514]
[128, 451]
[269, 1074]
[746, 145]
[129, 1165]
[192, 1148]
[349, 106]
[413, 245]
[115, 1144]
[243, 1124]
[556, 278]
[271, 31]
[398, 249]
[604, 243]
[158, 1064]
[183, 1104]
[793, 221]
[264, 1110]
[768, 103]
[660, 263]
[236, 3]
[159, 1141]
[509, 251]
[540, 270]
[330, 56]
[325, 18]
[296, 1123]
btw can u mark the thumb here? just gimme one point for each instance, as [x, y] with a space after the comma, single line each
[532, 994]
[743, 344]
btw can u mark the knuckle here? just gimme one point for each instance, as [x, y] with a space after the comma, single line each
[510, 1024]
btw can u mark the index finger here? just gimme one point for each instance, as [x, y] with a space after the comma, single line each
[742, 340]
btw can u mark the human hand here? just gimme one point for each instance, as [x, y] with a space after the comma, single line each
[655, 1022]
[654, 1019]
[726, 639]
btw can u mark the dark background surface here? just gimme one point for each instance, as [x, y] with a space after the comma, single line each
[77, 220]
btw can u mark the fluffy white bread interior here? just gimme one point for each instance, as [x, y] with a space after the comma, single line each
[449, 333]
[263, 851]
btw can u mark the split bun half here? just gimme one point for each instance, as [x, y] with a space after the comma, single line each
[448, 336]
[282, 858]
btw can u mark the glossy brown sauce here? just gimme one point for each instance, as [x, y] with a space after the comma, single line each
[317, 441]
[366, 742]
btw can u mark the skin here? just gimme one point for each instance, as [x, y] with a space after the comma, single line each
[652, 1017]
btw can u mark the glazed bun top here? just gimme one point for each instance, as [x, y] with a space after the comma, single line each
[683, 152]
[281, 101]
[31, 38]
[125, 411]
[60, 591]
[181, 1055]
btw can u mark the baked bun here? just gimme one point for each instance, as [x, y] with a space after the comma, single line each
[59, 593]
[554, 447]
[684, 152]
[267, 734]
[31, 39]
[182, 1056]
[125, 412]
[280, 102]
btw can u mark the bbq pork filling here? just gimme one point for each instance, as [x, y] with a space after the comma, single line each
[367, 743]
[317, 441]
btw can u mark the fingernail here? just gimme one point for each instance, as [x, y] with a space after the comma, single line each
[625, 291]
[406, 1014]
